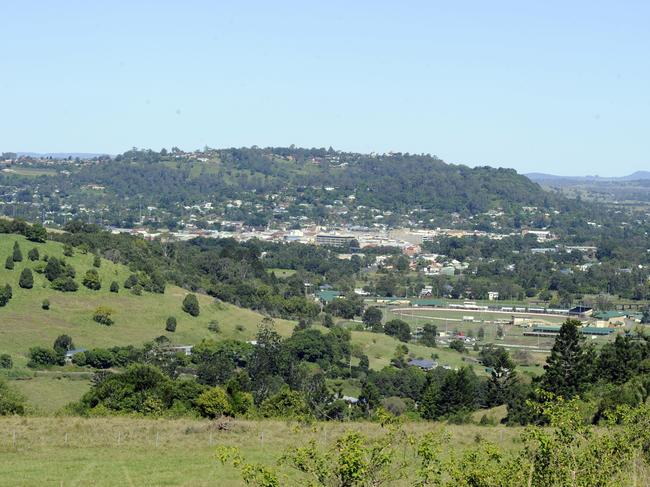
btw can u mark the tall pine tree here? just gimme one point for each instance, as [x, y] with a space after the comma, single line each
[568, 368]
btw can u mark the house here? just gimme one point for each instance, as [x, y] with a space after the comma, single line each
[423, 364]
[493, 295]
[71, 353]
[186, 349]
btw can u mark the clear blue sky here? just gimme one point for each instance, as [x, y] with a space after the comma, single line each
[554, 86]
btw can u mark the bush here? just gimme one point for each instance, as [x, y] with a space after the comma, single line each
[137, 290]
[65, 284]
[131, 281]
[17, 255]
[39, 267]
[191, 305]
[68, 251]
[11, 402]
[97, 261]
[62, 344]
[91, 280]
[170, 324]
[284, 404]
[214, 327]
[43, 357]
[458, 345]
[46, 304]
[26, 280]
[5, 294]
[214, 403]
[5, 361]
[33, 254]
[103, 316]
[115, 287]
[9, 263]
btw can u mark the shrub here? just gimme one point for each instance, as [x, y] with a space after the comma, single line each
[103, 315]
[26, 280]
[5, 361]
[214, 403]
[285, 404]
[62, 344]
[214, 327]
[46, 304]
[97, 261]
[5, 295]
[68, 251]
[131, 281]
[191, 305]
[33, 254]
[17, 255]
[39, 267]
[137, 290]
[170, 324]
[115, 287]
[91, 280]
[65, 284]
[9, 263]
[458, 345]
[43, 357]
[11, 402]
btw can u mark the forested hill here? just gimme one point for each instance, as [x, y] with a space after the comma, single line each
[386, 182]
[288, 185]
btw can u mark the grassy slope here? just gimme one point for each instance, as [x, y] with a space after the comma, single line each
[138, 319]
[167, 452]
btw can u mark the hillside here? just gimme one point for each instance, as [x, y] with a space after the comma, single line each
[138, 319]
[261, 187]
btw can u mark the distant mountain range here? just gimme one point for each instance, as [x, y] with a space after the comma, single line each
[550, 178]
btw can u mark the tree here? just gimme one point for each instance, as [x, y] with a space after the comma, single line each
[65, 284]
[5, 295]
[170, 324]
[11, 402]
[103, 315]
[33, 255]
[214, 403]
[91, 280]
[54, 269]
[481, 334]
[429, 333]
[399, 329]
[502, 379]
[115, 287]
[567, 368]
[17, 255]
[68, 251]
[645, 318]
[97, 261]
[372, 317]
[191, 305]
[62, 344]
[131, 281]
[26, 280]
[43, 357]
[5, 361]
[328, 321]
[458, 345]
[36, 233]
[9, 263]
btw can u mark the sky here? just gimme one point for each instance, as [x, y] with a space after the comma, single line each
[555, 86]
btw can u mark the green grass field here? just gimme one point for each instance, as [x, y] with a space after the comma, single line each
[70, 452]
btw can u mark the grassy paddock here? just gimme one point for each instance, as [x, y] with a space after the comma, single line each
[68, 451]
